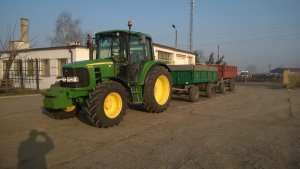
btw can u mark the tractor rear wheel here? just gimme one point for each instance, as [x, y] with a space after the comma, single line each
[157, 91]
[193, 93]
[67, 112]
[107, 104]
[209, 90]
[222, 87]
[231, 85]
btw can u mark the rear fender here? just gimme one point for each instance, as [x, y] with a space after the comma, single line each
[147, 68]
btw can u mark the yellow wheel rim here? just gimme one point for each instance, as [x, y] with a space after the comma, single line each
[112, 105]
[162, 90]
[69, 108]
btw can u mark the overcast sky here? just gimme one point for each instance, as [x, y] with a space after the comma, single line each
[249, 32]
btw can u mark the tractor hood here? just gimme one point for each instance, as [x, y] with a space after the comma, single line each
[89, 63]
[88, 73]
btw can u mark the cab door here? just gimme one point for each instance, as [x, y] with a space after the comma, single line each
[140, 52]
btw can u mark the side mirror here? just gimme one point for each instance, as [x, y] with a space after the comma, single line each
[89, 41]
[142, 39]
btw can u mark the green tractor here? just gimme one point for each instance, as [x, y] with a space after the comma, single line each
[121, 72]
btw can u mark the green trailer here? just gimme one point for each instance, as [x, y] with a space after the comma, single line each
[191, 79]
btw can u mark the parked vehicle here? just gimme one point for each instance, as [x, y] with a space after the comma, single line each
[191, 79]
[124, 71]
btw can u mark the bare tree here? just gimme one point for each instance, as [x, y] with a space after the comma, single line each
[200, 56]
[66, 30]
[251, 68]
[211, 59]
[11, 48]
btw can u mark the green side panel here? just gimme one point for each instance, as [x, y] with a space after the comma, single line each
[183, 75]
[137, 95]
[106, 71]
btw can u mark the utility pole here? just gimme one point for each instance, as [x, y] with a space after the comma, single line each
[191, 24]
[218, 53]
[175, 36]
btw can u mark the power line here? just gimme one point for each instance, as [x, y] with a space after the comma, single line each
[253, 29]
[281, 37]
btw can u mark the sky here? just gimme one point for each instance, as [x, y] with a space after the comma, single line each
[260, 33]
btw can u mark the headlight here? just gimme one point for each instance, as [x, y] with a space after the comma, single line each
[70, 79]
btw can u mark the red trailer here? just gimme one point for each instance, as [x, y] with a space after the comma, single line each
[226, 77]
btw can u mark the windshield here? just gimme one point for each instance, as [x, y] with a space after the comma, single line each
[111, 46]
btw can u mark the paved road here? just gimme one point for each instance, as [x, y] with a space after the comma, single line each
[257, 126]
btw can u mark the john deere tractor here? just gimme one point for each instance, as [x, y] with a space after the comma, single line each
[122, 71]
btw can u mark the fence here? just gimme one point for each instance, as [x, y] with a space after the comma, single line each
[23, 74]
[259, 78]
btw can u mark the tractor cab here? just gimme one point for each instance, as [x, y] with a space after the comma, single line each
[128, 50]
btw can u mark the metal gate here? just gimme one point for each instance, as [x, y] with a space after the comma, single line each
[23, 74]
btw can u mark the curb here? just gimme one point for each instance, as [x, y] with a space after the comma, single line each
[18, 96]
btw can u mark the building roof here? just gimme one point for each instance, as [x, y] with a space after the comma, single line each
[171, 48]
[50, 48]
[280, 70]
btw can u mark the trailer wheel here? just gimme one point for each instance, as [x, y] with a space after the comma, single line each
[209, 90]
[66, 113]
[157, 90]
[231, 85]
[193, 93]
[222, 87]
[107, 104]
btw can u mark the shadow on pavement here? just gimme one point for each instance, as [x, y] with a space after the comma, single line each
[32, 151]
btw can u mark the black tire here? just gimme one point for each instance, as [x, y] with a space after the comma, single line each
[193, 93]
[112, 95]
[209, 90]
[155, 100]
[62, 113]
[222, 87]
[231, 85]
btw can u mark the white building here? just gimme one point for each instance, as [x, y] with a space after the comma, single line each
[173, 56]
[49, 63]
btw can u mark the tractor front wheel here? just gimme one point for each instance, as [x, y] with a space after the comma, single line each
[107, 104]
[67, 112]
[157, 90]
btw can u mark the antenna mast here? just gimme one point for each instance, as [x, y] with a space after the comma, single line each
[192, 3]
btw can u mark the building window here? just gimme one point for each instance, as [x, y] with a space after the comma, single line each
[180, 56]
[165, 57]
[17, 67]
[45, 63]
[61, 62]
[5, 62]
[30, 67]
[191, 59]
